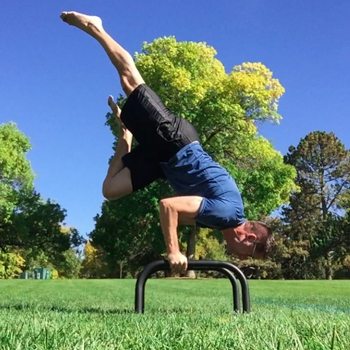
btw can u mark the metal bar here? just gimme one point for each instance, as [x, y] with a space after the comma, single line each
[235, 290]
[228, 269]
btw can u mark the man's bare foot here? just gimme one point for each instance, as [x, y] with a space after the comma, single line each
[86, 23]
[115, 109]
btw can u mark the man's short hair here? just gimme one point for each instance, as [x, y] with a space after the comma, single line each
[264, 239]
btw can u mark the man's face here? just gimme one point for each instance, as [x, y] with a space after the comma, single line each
[240, 243]
[242, 249]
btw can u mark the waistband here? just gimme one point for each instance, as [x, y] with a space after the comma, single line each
[178, 155]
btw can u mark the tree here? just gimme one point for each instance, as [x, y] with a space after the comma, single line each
[16, 174]
[11, 264]
[323, 175]
[36, 223]
[93, 265]
[209, 246]
[36, 228]
[31, 230]
[289, 255]
[224, 108]
[69, 264]
[128, 230]
[16, 177]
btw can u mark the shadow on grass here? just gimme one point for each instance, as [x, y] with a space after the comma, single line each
[32, 307]
[63, 309]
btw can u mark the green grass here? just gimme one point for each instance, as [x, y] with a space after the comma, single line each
[179, 314]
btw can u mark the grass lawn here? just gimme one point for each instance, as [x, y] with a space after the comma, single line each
[179, 314]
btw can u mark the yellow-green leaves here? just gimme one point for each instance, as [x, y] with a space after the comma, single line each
[11, 264]
[223, 107]
[15, 169]
[193, 83]
[253, 86]
[180, 72]
[264, 178]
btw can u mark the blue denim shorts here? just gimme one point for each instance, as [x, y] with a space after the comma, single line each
[193, 172]
[220, 213]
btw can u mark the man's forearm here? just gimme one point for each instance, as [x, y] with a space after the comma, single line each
[171, 241]
[169, 221]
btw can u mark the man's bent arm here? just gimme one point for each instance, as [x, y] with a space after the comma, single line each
[172, 211]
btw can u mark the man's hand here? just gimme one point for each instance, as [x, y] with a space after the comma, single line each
[177, 262]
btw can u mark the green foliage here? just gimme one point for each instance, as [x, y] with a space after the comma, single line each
[256, 91]
[15, 170]
[259, 269]
[128, 230]
[223, 107]
[69, 265]
[27, 223]
[36, 228]
[193, 84]
[36, 224]
[265, 180]
[11, 265]
[323, 166]
[35, 258]
[315, 213]
[93, 265]
[180, 72]
[209, 247]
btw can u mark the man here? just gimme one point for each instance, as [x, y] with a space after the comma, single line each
[168, 146]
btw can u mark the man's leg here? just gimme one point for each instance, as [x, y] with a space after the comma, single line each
[130, 77]
[129, 171]
[173, 211]
[118, 180]
[117, 183]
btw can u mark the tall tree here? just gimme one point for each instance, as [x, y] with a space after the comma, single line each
[36, 229]
[128, 230]
[16, 174]
[193, 83]
[323, 175]
[93, 265]
[16, 177]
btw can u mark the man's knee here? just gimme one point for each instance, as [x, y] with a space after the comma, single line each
[118, 185]
[106, 190]
[111, 192]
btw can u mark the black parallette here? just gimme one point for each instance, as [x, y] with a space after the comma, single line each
[232, 272]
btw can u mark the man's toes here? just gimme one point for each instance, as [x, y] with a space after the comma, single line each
[111, 101]
[64, 16]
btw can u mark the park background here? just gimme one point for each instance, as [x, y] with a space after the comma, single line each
[54, 83]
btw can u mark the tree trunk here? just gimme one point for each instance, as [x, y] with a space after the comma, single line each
[329, 267]
[323, 196]
[120, 269]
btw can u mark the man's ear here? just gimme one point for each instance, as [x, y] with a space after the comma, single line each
[251, 237]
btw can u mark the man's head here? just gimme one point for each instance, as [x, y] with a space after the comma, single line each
[252, 238]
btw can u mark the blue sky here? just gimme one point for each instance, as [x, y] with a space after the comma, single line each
[54, 80]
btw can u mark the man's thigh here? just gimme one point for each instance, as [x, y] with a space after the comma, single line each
[119, 185]
[143, 166]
